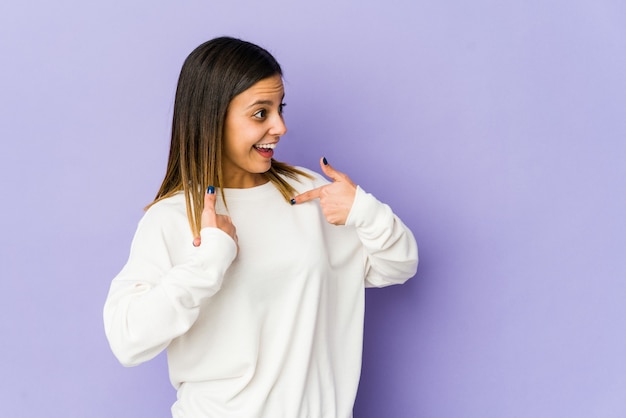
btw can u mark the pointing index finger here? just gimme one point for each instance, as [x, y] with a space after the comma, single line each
[307, 196]
[208, 218]
[208, 214]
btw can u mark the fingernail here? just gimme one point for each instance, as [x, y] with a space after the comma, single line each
[210, 190]
[325, 161]
[292, 201]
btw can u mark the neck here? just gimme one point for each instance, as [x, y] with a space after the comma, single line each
[245, 181]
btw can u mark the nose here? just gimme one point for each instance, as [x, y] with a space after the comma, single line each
[278, 126]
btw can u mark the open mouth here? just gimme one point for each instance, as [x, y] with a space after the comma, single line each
[266, 150]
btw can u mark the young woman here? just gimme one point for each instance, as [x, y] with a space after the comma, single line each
[239, 268]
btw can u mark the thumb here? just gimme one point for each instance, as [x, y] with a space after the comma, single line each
[330, 171]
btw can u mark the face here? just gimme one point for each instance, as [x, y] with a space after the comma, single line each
[254, 124]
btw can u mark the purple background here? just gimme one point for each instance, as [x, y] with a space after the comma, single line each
[496, 130]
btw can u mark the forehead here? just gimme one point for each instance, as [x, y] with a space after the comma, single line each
[267, 88]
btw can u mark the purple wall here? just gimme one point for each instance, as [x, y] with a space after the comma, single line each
[496, 130]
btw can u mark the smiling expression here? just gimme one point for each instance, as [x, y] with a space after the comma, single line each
[254, 124]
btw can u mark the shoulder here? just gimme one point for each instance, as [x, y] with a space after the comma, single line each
[165, 212]
[164, 226]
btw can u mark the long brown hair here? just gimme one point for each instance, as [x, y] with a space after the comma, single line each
[211, 76]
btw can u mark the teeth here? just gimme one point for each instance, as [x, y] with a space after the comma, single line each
[266, 146]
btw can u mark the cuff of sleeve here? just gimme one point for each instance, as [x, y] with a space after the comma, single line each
[201, 277]
[364, 209]
[216, 247]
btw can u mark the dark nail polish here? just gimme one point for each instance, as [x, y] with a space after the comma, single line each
[292, 201]
[210, 190]
[325, 161]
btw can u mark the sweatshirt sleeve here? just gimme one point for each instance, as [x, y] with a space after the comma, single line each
[390, 246]
[152, 301]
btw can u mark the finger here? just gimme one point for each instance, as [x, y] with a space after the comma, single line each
[307, 196]
[209, 199]
[330, 171]
[209, 217]
[197, 241]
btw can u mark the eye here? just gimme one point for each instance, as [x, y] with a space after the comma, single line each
[281, 108]
[260, 114]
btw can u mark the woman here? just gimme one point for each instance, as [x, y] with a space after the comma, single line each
[261, 310]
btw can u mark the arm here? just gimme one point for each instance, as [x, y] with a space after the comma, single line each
[153, 301]
[390, 246]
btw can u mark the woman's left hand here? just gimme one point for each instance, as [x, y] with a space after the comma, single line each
[335, 198]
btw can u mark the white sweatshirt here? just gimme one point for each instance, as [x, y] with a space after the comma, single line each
[272, 331]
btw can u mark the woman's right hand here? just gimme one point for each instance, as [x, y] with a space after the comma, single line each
[210, 219]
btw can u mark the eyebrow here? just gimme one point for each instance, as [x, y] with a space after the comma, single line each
[265, 102]
[261, 102]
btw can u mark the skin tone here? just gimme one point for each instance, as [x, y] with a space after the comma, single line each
[253, 122]
[335, 198]
[210, 219]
